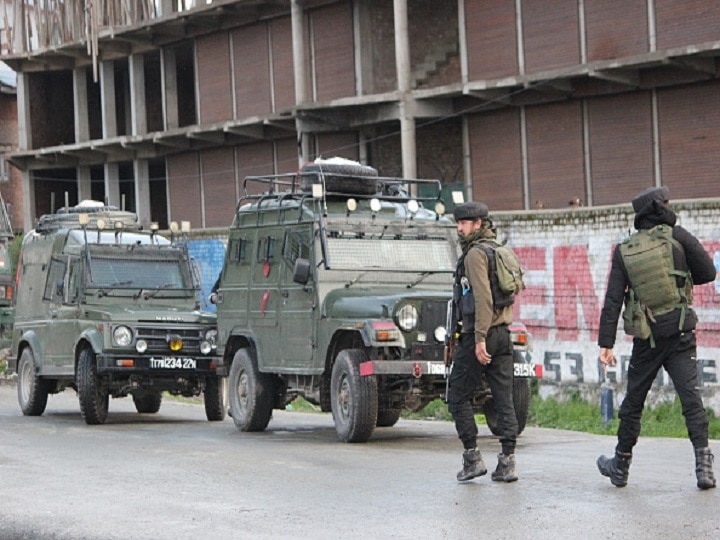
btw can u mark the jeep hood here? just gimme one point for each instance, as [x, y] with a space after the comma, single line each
[373, 302]
[140, 314]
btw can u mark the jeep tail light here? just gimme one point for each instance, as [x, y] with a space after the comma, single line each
[385, 331]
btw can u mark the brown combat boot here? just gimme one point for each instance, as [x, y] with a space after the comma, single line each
[473, 465]
[505, 471]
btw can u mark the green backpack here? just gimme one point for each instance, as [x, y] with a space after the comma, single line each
[507, 267]
[654, 289]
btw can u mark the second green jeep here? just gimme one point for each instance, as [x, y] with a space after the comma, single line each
[335, 287]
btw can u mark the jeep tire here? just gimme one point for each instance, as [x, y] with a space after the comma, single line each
[93, 398]
[353, 398]
[250, 392]
[215, 398]
[32, 390]
[343, 178]
[147, 401]
[521, 401]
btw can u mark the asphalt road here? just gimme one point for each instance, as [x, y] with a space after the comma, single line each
[173, 475]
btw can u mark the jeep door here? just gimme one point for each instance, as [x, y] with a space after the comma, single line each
[297, 301]
[62, 330]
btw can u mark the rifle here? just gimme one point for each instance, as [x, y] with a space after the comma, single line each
[451, 337]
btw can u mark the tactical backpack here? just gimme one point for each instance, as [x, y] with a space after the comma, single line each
[656, 287]
[507, 279]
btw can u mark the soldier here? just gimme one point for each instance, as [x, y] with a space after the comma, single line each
[483, 313]
[653, 272]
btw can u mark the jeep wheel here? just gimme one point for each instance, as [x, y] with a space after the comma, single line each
[354, 400]
[215, 396]
[147, 402]
[521, 400]
[32, 390]
[93, 398]
[388, 417]
[340, 178]
[251, 396]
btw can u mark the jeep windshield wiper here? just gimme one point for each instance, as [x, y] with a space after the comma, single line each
[155, 290]
[354, 280]
[418, 280]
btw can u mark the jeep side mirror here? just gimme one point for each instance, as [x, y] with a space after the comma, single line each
[301, 272]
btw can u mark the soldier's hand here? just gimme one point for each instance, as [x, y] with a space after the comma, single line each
[481, 353]
[607, 357]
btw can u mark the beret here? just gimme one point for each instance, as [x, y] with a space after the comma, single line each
[649, 195]
[471, 210]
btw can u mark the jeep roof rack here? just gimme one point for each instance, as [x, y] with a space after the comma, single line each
[100, 217]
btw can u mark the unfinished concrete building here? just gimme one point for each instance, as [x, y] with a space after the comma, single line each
[165, 106]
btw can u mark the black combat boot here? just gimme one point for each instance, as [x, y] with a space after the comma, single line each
[473, 465]
[505, 471]
[617, 468]
[703, 468]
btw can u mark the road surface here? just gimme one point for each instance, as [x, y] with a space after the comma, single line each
[173, 475]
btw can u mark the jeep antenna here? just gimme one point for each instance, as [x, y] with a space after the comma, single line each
[83, 220]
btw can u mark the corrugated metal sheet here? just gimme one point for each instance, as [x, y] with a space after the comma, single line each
[621, 156]
[496, 161]
[685, 22]
[689, 140]
[282, 67]
[491, 29]
[218, 174]
[183, 178]
[215, 95]
[556, 18]
[252, 70]
[555, 154]
[615, 28]
[333, 46]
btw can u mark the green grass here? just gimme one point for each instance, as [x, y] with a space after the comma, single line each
[573, 413]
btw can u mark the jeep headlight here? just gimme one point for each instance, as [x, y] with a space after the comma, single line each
[407, 318]
[211, 335]
[122, 336]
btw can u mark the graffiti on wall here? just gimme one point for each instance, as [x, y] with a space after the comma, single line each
[561, 307]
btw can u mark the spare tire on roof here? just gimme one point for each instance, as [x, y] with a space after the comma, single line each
[340, 176]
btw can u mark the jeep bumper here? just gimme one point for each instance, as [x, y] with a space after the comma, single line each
[420, 368]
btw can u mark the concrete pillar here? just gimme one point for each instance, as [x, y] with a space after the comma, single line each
[25, 143]
[301, 90]
[166, 7]
[107, 99]
[84, 183]
[168, 70]
[138, 113]
[402, 66]
[112, 184]
[80, 104]
[28, 200]
[141, 168]
[23, 108]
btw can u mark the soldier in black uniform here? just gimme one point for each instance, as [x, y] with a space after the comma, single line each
[671, 344]
[484, 345]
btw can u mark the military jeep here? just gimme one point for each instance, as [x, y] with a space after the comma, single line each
[109, 309]
[335, 287]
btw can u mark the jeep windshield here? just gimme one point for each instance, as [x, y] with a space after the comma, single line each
[139, 272]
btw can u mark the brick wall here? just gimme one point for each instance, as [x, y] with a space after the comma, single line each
[567, 256]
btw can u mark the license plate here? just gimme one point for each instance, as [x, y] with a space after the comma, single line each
[436, 369]
[173, 363]
[524, 370]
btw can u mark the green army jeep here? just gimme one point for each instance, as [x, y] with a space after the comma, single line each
[110, 310]
[335, 287]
